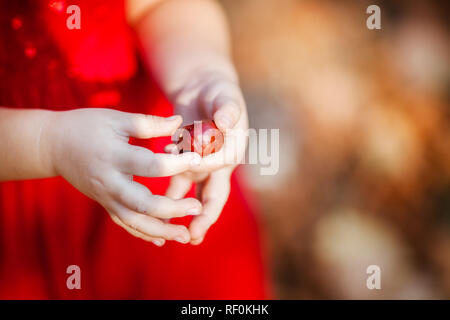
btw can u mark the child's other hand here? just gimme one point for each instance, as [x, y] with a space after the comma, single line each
[212, 96]
[90, 149]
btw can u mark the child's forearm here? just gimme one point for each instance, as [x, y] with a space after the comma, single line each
[184, 40]
[24, 149]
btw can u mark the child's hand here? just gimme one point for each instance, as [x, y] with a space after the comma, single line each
[90, 149]
[212, 96]
[189, 57]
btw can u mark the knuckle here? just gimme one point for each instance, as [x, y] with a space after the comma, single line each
[155, 167]
[158, 209]
[130, 161]
[116, 191]
[98, 186]
[131, 220]
[141, 206]
[140, 123]
[93, 170]
[106, 155]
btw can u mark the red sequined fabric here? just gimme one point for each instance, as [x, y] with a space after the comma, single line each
[47, 225]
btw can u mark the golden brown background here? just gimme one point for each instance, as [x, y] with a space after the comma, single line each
[365, 143]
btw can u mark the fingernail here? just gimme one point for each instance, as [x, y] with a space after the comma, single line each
[226, 121]
[158, 243]
[196, 242]
[193, 211]
[180, 240]
[171, 118]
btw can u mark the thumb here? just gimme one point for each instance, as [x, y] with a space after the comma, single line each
[226, 112]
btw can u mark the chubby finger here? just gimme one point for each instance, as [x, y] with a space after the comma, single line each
[215, 193]
[138, 198]
[208, 163]
[156, 241]
[143, 162]
[178, 187]
[151, 226]
[222, 100]
[143, 126]
[226, 112]
[171, 148]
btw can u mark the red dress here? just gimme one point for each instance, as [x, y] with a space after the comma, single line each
[47, 225]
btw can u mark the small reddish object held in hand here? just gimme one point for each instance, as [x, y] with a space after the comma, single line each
[202, 137]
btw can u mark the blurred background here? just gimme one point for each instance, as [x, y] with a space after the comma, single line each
[364, 143]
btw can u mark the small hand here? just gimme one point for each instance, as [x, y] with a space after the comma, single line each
[218, 97]
[91, 151]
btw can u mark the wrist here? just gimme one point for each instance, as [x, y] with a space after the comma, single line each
[201, 68]
[48, 141]
[215, 66]
[200, 81]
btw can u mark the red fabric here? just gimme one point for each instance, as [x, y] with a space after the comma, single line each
[47, 225]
